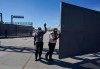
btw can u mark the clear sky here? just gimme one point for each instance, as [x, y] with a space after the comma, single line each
[40, 11]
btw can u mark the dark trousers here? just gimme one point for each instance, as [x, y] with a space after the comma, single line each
[51, 50]
[39, 48]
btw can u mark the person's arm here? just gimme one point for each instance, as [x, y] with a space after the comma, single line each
[57, 36]
[50, 36]
[45, 28]
[35, 39]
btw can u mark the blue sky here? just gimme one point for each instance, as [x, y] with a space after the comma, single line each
[40, 11]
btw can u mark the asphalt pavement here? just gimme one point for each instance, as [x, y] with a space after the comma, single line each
[18, 53]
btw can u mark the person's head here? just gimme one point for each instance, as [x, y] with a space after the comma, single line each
[39, 28]
[55, 30]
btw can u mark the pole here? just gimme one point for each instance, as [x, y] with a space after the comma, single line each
[11, 19]
[1, 18]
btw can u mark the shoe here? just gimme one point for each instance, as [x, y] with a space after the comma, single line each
[36, 60]
[51, 59]
[46, 57]
[39, 58]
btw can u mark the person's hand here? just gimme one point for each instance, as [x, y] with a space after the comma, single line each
[34, 43]
[45, 25]
[55, 38]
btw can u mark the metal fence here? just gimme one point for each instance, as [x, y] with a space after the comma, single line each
[15, 30]
[20, 23]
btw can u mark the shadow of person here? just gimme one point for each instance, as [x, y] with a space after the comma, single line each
[61, 64]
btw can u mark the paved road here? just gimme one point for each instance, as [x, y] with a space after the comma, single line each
[18, 53]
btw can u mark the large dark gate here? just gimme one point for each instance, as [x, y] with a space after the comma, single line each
[80, 31]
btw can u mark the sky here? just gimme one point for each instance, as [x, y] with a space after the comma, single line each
[40, 11]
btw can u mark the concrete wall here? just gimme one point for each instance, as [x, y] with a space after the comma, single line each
[80, 31]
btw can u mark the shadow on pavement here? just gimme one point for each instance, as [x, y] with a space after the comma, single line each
[23, 49]
[84, 64]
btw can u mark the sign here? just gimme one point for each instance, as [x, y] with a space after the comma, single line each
[17, 16]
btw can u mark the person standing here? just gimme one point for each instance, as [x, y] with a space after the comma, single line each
[52, 43]
[38, 38]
